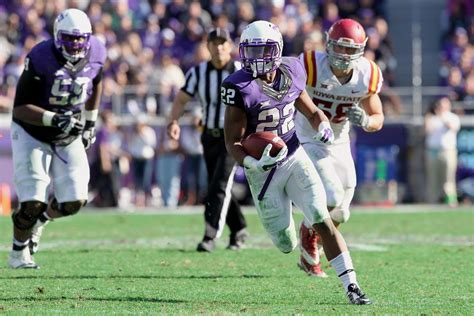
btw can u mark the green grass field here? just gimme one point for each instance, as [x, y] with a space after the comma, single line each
[412, 260]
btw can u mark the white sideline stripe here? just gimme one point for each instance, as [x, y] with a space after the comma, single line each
[370, 244]
[167, 243]
[185, 210]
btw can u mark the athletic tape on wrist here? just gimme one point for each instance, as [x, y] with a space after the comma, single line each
[47, 118]
[91, 115]
[366, 126]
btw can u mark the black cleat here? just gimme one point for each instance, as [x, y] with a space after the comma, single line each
[237, 240]
[33, 246]
[356, 296]
[206, 245]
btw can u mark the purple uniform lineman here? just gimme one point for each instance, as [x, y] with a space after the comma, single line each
[50, 82]
[263, 96]
[61, 80]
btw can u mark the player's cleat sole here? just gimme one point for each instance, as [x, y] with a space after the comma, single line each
[32, 266]
[356, 296]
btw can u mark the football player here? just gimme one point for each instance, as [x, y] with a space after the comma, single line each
[263, 97]
[345, 86]
[61, 80]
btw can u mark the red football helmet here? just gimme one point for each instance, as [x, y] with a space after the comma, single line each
[345, 33]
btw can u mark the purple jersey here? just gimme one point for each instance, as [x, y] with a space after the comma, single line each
[52, 83]
[268, 107]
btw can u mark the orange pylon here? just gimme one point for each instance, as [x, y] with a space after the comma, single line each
[5, 200]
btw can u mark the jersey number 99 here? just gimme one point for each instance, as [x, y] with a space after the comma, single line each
[66, 92]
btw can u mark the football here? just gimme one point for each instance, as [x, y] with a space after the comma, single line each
[255, 143]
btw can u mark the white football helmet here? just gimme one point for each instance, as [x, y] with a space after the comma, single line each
[72, 31]
[260, 48]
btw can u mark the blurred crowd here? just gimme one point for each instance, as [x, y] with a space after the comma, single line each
[457, 71]
[150, 45]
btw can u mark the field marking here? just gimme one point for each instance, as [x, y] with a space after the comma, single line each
[186, 210]
[368, 244]
[167, 244]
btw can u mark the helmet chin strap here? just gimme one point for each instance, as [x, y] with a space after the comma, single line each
[254, 73]
[254, 67]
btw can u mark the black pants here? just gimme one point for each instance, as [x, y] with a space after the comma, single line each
[106, 184]
[220, 206]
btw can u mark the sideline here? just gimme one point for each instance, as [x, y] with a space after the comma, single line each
[185, 242]
[359, 209]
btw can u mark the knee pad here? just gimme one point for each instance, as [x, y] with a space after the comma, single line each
[67, 208]
[285, 240]
[28, 213]
[340, 215]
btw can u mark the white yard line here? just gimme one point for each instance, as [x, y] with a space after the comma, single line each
[397, 209]
[369, 244]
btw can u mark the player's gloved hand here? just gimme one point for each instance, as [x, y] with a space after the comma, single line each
[88, 135]
[357, 116]
[325, 133]
[266, 162]
[67, 123]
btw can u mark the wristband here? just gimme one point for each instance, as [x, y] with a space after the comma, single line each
[47, 118]
[91, 115]
[366, 126]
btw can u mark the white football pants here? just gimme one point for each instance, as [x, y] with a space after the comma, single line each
[336, 168]
[35, 161]
[295, 180]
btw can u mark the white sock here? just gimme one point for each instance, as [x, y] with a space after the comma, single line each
[342, 264]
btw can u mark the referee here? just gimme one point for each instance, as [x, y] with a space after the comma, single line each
[204, 81]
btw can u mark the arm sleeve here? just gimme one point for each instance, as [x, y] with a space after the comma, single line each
[231, 95]
[192, 81]
[99, 77]
[29, 85]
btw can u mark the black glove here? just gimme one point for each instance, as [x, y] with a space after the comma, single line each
[67, 123]
[88, 135]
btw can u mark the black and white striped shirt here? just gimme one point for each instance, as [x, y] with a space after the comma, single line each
[205, 81]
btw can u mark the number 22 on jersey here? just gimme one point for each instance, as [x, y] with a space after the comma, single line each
[270, 118]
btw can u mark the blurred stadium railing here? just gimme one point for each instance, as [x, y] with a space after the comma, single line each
[390, 164]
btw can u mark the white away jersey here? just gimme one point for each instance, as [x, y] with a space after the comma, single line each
[334, 98]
